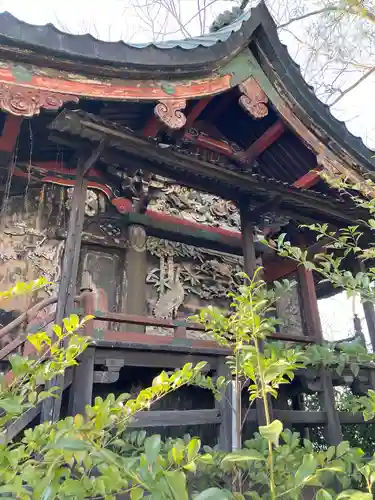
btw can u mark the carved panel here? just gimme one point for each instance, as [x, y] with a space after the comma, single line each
[253, 100]
[23, 101]
[289, 312]
[195, 206]
[169, 112]
[183, 278]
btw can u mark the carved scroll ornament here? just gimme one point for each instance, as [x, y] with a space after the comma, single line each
[169, 112]
[253, 100]
[23, 101]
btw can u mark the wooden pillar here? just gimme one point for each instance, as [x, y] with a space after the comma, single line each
[136, 272]
[226, 411]
[83, 378]
[368, 307]
[310, 313]
[51, 407]
[250, 266]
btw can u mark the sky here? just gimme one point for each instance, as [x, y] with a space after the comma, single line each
[118, 19]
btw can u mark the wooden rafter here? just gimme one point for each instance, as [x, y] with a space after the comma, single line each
[197, 110]
[152, 128]
[308, 180]
[270, 136]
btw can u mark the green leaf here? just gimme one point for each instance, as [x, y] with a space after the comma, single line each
[213, 494]
[70, 444]
[342, 448]
[272, 431]
[323, 495]
[11, 405]
[306, 469]
[354, 495]
[152, 447]
[177, 483]
[193, 449]
[136, 493]
[191, 467]
[244, 456]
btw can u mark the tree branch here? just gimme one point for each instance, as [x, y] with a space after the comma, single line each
[355, 11]
[309, 14]
[355, 84]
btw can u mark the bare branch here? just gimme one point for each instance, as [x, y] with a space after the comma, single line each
[352, 87]
[353, 10]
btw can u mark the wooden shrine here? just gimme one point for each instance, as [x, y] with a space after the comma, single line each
[148, 175]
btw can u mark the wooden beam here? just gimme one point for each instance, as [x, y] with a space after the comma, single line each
[216, 145]
[270, 136]
[11, 130]
[166, 418]
[308, 180]
[164, 162]
[152, 127]
[153, 359]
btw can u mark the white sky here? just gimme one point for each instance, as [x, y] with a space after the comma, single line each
[116, 19]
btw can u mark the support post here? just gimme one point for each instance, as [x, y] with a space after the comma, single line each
[368, 307]
[136, 272]
[312, 321]
[83, 378]
[250, 265]
[51, 407]
[226, 410]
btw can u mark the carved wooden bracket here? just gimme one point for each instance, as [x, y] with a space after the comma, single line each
[23, 101]
[253, 100]
[169, 112]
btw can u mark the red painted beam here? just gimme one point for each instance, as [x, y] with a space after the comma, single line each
[10, 133]
[152, 127]
[208, 142]
[264, 141]
[197, 110]
[308, 180]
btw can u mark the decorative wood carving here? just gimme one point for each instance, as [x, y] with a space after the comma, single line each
[137, 238]
[23, 101]
[169, 112]
[253, 100]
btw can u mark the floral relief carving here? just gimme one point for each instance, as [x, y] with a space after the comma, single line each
[195, 206]
[253, 100]
[24, 101]
[169, 112]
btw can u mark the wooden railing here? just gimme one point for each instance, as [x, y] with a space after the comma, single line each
[85, 300]
[24, 319]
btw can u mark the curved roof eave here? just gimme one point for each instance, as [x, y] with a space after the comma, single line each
[282, 70]
[201, 54]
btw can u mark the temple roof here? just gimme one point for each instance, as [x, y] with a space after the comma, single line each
[202, 53]
[216, 54]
